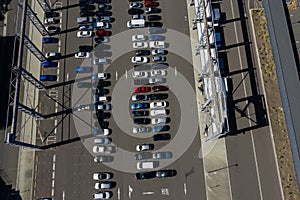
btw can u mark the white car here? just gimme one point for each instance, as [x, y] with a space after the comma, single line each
[140, 59]
[51, 21]
[135, 5]
[158, 104]
[147, 165]
[84, 34]
[137, 38]
[140, 45]
[102, 76]
[104, 185]
[104, 149]
[102, 176]
[140, 74]
[161, 120]
[52, 55]
[100, 61]
[159, 72]
[157, 80]
[101, 25]
[102, 195]
[82, 55]
[105, 140]
[158, 112]
[144, 147]
[141, 129]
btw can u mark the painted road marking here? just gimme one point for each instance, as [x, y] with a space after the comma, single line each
[175, 71]
[126, 73]
[184, 188]
[148, 192]
[116, 75]
[63, 195]
[119, 193]
[130, 190]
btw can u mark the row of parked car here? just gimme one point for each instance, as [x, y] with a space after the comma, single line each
[149, 105]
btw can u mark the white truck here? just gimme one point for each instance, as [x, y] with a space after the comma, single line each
[136, 23]
[157, 44]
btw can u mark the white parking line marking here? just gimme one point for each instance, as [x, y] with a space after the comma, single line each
[184, 188]
[148, 192]
[175, 71]
[126, 73]
[129, 191]
[63, 195]
[67, 76]
[116, 75]
[119, 193]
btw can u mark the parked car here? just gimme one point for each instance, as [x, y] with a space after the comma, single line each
[82, 55]
[103, 76]
[103, 124]
[104, 7]
[136, 106]
[139, 97]
[84, 34]
[104, 132]
[156, 38]
[155, 24]
[103, 33]
[101, 25]
[142, 121]
[140, 113]
[142, 81]
[102, 176]
[85, 48]
[101, 39]
[133, 17]
[154, 17]
[160, 120]
[48, 64]
[86, 1]
[101, 91]
[87, 13]
[140, 45]
[103, 115]
[102, 1]
[143, 156]
[103, 159]
[98, 61]
[51, 14]
[103, 107]
[87, 7]
[157, 80]
[141, 89]
[105, 185]
[145, 175]
[105, 140]
[166, 173]
[135, 5]
[137, 38]
[102, 12]
[84, 28]
[135, 11]
[52, 55]
[159, 88]
[162, 155]
[142, 52]
[82, 20]
[159, 112]
[158, 137]
[104, 19]
[160, 128]
[104, 149]
[159, 59]
[157, 30]
[159, 52]
[51, 21]
[150, 10]
[100, 99]
[140, 59]
[102, 195]
[147, 165]
[101, 83]
[158, 104]
[48, 77]
[151, 3]
[49, 40]
[142, 129]
[144, 147]
[83, 69]
[159, 96]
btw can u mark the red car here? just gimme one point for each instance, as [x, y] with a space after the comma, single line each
[141, 89]
[150, 3]
[159, 88]
[103, 33]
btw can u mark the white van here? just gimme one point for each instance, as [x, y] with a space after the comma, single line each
[158, 112]
[100, 61]
[147, 165]
[136, 23]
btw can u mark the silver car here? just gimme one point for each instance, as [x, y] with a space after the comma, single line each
[162, 155]
[142, 129]
[105, 140]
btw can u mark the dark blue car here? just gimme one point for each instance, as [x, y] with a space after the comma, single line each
[49, 40]
[156, 37]
[136, 106]
[86, 1]
[48, 77]
[48, 64]
[83, 69]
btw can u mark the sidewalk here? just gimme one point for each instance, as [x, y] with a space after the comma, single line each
[214, 152]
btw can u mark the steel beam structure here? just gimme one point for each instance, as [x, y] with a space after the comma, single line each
[30, 78]
[45, 5]
[33, 49]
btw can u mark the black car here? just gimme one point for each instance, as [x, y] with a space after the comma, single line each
[87, 7]
[51, 14]
[159, 88]
[145, 175]
[160, 128]
[150, 10]
[142, 52]
[103, 124]
[166, 173]
[103, 1]
[143, 156]
[103, 115]
[142, 121]
[155, 24]
[85, 48]
[142, 67]
[98, 40]
[140, 113]
[104, 7]
[141, 81]
[154, 18]
[160, 65]
[160, 96]
[135, 11]
[86, 13]
[165, 136]
[140, 97]
[103, 13]
[101, 83]
[101, 91]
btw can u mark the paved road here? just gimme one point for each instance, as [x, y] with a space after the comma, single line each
[256, 176]
[74, 164]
